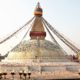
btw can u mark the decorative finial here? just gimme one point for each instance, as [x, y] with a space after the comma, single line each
[38, 4]
[38, 11]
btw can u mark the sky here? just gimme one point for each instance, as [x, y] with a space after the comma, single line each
[64, 15]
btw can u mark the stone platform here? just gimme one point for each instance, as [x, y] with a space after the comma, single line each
[43, 70]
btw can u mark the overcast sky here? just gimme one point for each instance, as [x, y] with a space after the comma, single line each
[64, 15]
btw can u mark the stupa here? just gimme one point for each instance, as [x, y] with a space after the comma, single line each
[42, 58]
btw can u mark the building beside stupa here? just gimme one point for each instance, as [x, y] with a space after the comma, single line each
[45, 60]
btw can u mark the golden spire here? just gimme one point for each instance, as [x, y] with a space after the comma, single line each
[38, 11]
[37, 30]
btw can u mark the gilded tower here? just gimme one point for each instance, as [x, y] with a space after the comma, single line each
[37, 30]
